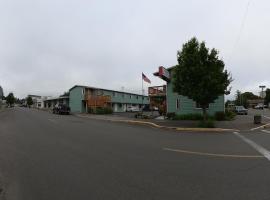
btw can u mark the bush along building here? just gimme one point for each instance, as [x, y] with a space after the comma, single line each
[84, 99]
[182, 105]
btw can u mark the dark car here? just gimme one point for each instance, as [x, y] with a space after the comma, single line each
[240, 110]
[61, 109]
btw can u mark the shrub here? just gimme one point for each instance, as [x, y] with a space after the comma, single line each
[188, 117]
[171, 115]
[101, 111]
[220, 116]
[229, 115]
[206, 124]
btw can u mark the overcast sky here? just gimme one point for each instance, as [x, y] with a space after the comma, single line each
[47, 46]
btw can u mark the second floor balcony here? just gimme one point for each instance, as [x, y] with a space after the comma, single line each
[157, 91]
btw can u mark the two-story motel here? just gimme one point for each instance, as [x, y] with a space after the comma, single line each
[82, 98]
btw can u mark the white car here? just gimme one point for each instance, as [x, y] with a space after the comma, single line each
[132, 109]
[259, 106]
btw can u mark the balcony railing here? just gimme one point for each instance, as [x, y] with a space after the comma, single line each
[97, 101]
[157, 91]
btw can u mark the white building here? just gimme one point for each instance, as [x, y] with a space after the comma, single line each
[38, 101]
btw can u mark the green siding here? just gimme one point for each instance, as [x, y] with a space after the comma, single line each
[120, 97]
[76, 98]
[188, 106]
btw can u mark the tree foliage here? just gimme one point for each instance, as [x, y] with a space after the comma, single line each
[65, 94]
[267, 97]
[238, 98]
[10, 99]
[200, 74]
[29, 101]
[241, 99]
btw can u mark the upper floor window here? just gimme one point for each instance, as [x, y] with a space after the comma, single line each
[198, 105]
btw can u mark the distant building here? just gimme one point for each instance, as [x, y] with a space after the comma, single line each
[38, 101]
[254, 102]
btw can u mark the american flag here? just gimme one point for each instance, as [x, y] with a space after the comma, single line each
[145, 78]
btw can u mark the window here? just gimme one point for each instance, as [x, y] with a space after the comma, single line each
[130, 96]
[198, 105]
[114, 94]
[137, 97]
[177, 104]
[123, 96]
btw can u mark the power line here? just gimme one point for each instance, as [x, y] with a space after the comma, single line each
[241, 26]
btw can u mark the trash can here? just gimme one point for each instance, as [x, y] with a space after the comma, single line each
[257, 119]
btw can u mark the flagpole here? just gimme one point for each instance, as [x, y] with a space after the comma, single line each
[142, 93]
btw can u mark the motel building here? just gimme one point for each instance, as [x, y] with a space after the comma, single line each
[177, 103]
[84, 98]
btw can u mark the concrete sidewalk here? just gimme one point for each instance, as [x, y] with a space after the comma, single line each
[241, 123]
[183, 125]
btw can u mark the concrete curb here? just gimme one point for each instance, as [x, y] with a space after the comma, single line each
[164, 127]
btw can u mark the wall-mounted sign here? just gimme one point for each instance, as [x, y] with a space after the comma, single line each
[164, 73]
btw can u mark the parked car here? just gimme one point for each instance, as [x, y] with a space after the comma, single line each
[240, 110]
[132, 109]
[61, 109]
[259, 106]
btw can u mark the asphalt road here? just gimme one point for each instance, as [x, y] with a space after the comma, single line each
[46, 156]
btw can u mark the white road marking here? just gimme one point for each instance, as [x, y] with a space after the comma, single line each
[253, 129]
[266, 117]
[257, 147]
[265, 131]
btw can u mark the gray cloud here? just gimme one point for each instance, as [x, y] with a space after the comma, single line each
[46, 47]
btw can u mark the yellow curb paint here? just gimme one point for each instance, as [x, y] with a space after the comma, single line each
[212, 154]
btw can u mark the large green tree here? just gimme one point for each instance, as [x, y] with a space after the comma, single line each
[10, 99]
[200, 74]
[29, 101]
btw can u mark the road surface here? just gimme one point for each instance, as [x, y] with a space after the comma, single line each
[45, 156]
